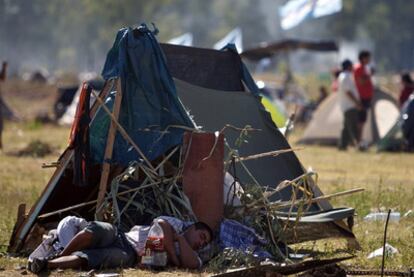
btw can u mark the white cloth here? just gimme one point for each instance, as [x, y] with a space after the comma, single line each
[346, 84]
[68, 228]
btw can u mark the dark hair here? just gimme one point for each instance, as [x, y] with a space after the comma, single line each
[346, 64]
[406, 77]
[364, 54]
[203, 226]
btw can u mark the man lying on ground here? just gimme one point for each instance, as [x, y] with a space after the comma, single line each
[101, 245]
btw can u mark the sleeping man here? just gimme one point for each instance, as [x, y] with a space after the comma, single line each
[101, 245]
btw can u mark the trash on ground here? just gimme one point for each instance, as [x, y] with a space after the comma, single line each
[382, 216]
[389, 251]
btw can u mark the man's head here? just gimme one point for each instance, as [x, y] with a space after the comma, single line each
[198, 235]
[346, 65]
[364, 57]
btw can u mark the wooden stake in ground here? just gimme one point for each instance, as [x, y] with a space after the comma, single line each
[108, 152]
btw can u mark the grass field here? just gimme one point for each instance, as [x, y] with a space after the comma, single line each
[388, 179]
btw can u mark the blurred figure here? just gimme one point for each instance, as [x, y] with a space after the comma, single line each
[365, 87]
[3, 75]
[335, 75]
[407, 88]
[323, 93]
[350, 105]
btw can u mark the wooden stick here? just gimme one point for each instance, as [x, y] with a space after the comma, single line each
[317, 199]
[262, 155]
[123, 132]
[94, 201]
[108, 151]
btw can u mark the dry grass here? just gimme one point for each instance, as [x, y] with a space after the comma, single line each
[387, 177]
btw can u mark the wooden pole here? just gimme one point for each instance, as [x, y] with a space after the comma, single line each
[124, 133]
[263, 155]
[108, 152]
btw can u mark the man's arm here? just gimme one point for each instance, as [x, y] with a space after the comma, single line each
[354, 99]
[188, 257]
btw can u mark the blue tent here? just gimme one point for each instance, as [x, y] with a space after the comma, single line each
[149, 102]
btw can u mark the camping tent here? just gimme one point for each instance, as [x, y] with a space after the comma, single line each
[184, 39]
[235, 37]
[69, 109]
[205, 79]
[401, 135]
[326, 124]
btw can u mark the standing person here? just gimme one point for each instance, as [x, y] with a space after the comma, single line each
[3, 75]
[407, 88]
[363, 82]
[350, 104]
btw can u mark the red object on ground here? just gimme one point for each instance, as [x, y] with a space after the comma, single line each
[203, 175]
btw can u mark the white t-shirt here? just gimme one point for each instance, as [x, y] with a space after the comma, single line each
[346, 83]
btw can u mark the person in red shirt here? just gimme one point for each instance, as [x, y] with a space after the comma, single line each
[365, 88]
[407, 88]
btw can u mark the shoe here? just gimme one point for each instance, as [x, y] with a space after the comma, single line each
[37, 265]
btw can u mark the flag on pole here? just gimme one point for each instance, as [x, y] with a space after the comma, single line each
[185, 40]
[296, 11]
[235, 37]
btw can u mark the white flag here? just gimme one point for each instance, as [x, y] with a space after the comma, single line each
[326, 7]
[235, 37]
[296, 11]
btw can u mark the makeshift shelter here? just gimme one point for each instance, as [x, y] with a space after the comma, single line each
[147, 112]
[326, 124]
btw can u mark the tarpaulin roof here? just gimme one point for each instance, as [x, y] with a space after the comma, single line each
[149, 104]
[265, 49]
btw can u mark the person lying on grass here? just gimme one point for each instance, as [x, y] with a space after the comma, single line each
[101, 245]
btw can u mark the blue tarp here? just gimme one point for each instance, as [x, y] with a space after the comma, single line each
[149, 101]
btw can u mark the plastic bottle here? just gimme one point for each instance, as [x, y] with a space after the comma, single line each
[155, 256]
[381, 216]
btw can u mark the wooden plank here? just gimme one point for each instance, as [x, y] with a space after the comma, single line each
[108, 151]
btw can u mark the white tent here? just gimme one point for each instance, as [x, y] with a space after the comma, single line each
[326, 124]
[235, 37]
[69, 115]
[184, 40]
